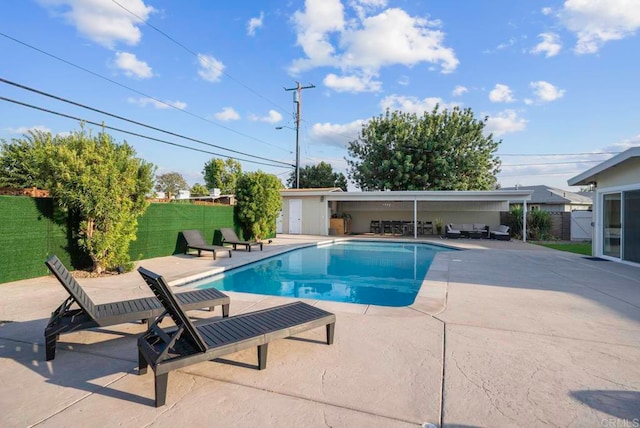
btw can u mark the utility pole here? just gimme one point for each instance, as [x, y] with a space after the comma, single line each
[297, 99]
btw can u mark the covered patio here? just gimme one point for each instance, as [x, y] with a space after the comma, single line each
[311, 211]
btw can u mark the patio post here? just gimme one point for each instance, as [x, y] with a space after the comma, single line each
[524, 220]
[415, 217]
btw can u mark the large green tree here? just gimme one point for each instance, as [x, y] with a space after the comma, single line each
[258, 203]
[439, 150]
[101, 182]
[315, 176]
[222, 174]
[171, 183]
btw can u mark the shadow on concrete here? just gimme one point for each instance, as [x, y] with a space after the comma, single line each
[77, 365]
[620, 404]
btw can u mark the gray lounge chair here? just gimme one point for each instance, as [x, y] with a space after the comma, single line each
[501, 233]
[195, 241]
[170, 349]
[230, 237]
[452, 233]
[88, 315]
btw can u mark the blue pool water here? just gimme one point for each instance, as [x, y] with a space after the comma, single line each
[376, 273]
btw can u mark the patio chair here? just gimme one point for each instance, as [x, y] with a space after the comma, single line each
[230, 237]
[88, 315]
[195, 241]
[185, 344]
[501, 233]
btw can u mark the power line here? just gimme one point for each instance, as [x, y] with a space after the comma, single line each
[559, 154]
[86, 70]
[18, 85]
[221, 70]
[554, 163]
[102, 125]
[538, 173]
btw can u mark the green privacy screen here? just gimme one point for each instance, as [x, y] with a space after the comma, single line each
[160, 225]
[29, 234]
[33, 228]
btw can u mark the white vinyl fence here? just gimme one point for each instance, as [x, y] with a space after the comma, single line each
[581, 228]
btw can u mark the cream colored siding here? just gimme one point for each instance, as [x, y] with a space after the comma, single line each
[621, 175]
[314, 215]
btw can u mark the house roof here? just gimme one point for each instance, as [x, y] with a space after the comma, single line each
[320, 191]
[550, 195]
[591, 175]
[417, 195]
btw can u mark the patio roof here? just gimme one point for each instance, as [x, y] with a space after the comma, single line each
[415, 195]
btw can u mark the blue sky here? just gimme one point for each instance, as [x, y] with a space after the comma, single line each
[558, 80]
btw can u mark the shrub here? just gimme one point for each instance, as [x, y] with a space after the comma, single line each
[258, 204]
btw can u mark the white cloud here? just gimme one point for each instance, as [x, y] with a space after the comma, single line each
[313, 27]
[24, 129]
[103, 21]
[546, 10]
[545, 91]
[210, 68]
[143, 102]
[505, 122]
[596, 22]
[550, 45]
[352, 83]
[624, 144]
[501, 94]
[335, 135]
[413, 104]
[254, 24]
[512, 41]
[227, 113]
[132, 66]
[363, 7]
[459, 90]
[367, 43]
[404, 80]
[272, 117]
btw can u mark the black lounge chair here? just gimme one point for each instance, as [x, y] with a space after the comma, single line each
[88, 315]
[195, 241]
[181, 346]
[230, 237]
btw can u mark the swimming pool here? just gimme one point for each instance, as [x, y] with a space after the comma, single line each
[375, 273]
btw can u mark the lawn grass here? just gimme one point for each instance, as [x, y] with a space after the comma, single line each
[572, 247]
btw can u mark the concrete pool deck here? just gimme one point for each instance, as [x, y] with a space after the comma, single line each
[504, 334]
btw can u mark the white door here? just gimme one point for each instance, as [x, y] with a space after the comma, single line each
[295, 216]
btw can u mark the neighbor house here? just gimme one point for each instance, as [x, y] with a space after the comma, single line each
[616, 206]
[552, 199]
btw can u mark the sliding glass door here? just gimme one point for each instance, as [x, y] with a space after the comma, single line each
[611, 225]
[631, 226]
